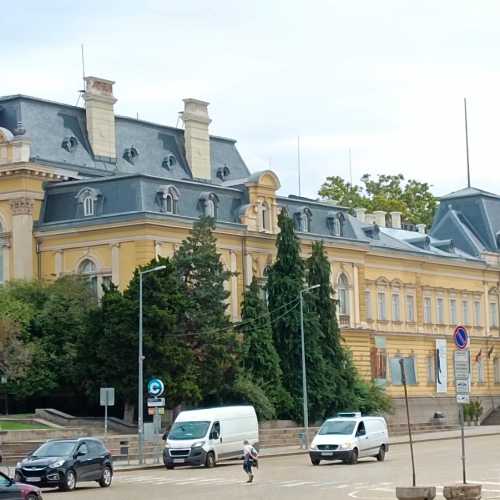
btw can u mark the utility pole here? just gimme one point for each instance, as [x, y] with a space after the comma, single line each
[304, 376]
[140, 391]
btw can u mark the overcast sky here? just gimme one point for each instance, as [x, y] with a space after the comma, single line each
[385, 78]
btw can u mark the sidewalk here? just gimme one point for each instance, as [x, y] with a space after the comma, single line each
[470, 432]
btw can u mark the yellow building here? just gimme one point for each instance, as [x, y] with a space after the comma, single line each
[83, 190]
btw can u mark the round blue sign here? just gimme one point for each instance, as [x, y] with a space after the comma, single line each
[461, 338]
[156, 387]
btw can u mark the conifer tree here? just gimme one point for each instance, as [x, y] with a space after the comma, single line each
[260, 361]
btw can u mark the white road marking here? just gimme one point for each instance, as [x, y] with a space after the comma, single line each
[299, 483]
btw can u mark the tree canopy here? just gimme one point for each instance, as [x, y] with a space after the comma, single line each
[390, 193]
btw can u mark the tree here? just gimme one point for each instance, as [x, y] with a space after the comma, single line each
[205, 323]
[15, 357]
[259, 359]
[388, 193]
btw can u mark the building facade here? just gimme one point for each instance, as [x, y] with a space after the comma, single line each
[83, 190]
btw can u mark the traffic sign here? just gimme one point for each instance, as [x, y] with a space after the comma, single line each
[156, 402]
[107, 396]
[461, 338]
[156, 387]
[462, 386]
[462, 365]
[463, 399]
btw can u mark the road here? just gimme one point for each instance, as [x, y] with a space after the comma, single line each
[293, 477]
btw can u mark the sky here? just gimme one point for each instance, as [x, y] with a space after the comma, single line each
[385, 79]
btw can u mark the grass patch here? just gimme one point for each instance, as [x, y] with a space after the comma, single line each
[13, 425]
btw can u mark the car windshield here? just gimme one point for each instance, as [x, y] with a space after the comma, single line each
[54, 449]
[188, 430]
[344, 427]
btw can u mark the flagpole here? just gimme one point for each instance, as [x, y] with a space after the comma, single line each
[467, 143]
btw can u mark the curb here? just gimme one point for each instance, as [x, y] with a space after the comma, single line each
[133, 468]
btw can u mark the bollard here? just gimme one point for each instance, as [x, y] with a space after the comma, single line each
[462, 492]
[415, 492]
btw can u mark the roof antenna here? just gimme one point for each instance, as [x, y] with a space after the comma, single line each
[298, 163]
[467, 143]
[81, 92]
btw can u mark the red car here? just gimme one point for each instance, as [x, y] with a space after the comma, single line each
[11, 490]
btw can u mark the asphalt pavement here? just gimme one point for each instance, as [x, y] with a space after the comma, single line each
[293, 477]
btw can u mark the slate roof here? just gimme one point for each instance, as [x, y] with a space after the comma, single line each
[48, 123]
[471, 217]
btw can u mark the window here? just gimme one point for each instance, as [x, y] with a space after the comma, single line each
[410, 308]
[493, 314]
[343, 295]
[396, 314]
[477, 313]
[465, 312]
[209, 203]
[96, 280]
[210, 209]
[264, 217]
[439, 311]
[453, 311]
[381, 306]
[496, 370]
[306, 221]
[480, 370]
[427, 310]
[169, 204]
[368, 304]
[409, 367]
[83, 449]
[5, 481]
[379, 360]
[88, 206]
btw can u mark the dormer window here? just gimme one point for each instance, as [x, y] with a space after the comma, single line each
[169, 197]
[209, 204]
[88, 198]
[131, 154]
[169, 162]
[69, 143]
[223, 172]
[303, 220]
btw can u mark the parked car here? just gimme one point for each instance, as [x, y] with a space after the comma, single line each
[63, 463]
[202, 437]
[349, 437]
[12, 490]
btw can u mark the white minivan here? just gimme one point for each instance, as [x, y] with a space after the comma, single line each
[203, 437]
[349, 437]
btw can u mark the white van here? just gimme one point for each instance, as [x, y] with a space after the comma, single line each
[350, 437]
[203, 437]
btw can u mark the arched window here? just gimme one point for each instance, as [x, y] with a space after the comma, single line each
[209, 204]
[169, 196]
[264, 217]
[169, 204]
[210, 208]
[343, 295]
[88, 206]
[88, 269]
[306, 221]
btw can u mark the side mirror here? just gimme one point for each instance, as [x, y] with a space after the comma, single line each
[80, 454]
[214, 435]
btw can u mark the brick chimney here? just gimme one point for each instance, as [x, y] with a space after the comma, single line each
[196, 137]
[396, 220]
[99, 102]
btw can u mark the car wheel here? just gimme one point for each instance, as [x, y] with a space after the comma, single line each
[32, 496]
[18, 478]
[354, 457]
[69, 481]
[210, 460]
[107, 477]
[381, 454]
[169, 467]
[315, 461]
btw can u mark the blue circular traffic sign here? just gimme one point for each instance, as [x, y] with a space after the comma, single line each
[156, 387]
[461, 338]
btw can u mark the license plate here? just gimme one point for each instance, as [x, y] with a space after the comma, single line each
[33, 479]
[327, 453]
[178, 460]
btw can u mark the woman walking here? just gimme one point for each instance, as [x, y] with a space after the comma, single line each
[250, 457]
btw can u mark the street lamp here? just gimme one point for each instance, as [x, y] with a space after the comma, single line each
[304, 377]
[140, 404]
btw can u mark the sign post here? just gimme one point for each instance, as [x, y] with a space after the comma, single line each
[156, 404]
[107, 399]
[462, 381]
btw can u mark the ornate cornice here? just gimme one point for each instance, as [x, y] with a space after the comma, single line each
[22, 206]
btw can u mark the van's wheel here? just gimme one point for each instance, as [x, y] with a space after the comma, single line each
[169, 467]
[315, 461]
[69, 481]
[106, 478]
[210, 460]
[381, 454]
[354, 457]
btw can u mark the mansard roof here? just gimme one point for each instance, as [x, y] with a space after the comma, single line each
[49, 123]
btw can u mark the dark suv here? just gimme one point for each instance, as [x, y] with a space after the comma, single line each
[62, 463]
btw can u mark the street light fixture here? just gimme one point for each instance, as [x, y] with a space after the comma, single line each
[304, 377]
[140, 404]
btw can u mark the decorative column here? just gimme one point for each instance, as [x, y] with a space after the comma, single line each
[234, 286]
[248, 269]
[4, 259]
[486, 310]
[355, 283]
[58, 263]
[22, 237]
[115, 264]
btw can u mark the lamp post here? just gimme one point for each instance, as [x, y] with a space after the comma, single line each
[304, 376]
[140, 403]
